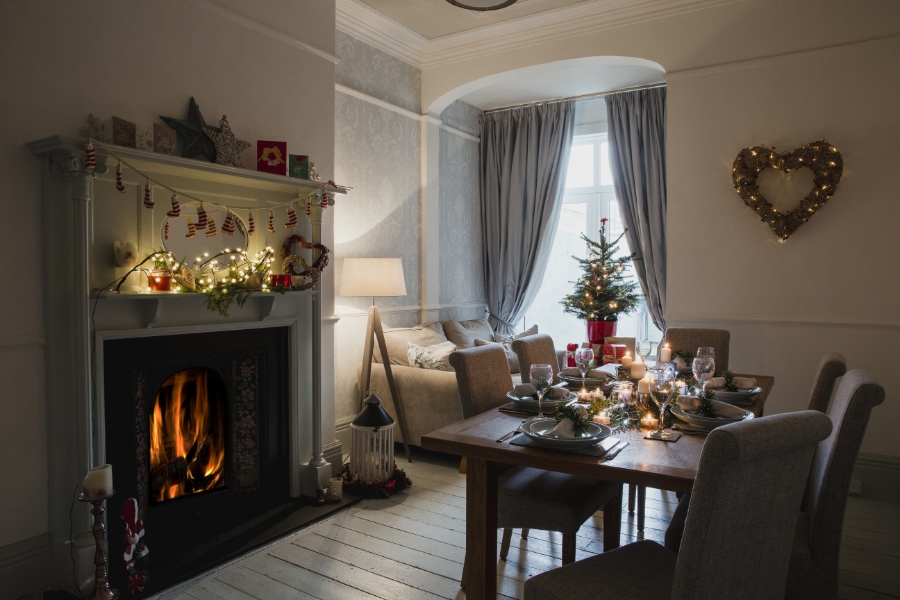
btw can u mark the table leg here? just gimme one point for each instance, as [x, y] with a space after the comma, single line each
[481, 529]
[612, 521]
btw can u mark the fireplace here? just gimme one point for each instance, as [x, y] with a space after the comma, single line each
[196, 432]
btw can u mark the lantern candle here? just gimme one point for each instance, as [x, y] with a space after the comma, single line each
[602, 418]
[665, 354]
[627, 360]
[98, 483]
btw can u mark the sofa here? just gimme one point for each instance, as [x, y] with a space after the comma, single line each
[430, 396]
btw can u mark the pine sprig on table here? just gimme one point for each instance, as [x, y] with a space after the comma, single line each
[580, 421]
[729, 385]
[705, 407]
[687, 356]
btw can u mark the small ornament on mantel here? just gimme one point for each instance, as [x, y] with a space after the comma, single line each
[313, 172]
[270, 157]
[176, 207]
[192, 130]
[228, 147]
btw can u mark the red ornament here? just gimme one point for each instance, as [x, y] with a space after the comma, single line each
[228, 225]
[119, 185]
[251, 225]
[90, 161]
[271, 221]
[176, 207]
[201, 218]
[292, 218]
[148, 196]
[211, 229]
[192, 231]
[324, 203]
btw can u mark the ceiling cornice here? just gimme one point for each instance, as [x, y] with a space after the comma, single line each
[372, 27]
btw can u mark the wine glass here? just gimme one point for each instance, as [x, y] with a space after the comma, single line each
[541, 380]
[644, 347]
[584, 359]
[663, 393]
[703, 368]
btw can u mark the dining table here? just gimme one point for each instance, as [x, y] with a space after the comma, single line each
[653, 463]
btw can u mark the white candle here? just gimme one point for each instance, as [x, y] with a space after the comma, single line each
[680, 386]
[650, 421]
[584, 395]
[638, 370]
[644, 386]
[665, 355]
[98, 483]
[627, 360]
[602, 418]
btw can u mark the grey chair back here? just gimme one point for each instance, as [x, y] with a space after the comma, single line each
[833, 365]
[743, 509]
[829, 479]
[681, 338]
[535, 350]
[483, 378]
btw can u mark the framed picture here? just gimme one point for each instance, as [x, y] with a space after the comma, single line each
[163, 139]
[124, 133]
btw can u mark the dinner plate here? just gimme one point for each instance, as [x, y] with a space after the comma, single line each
[575, 382]
[532, 402]
[697, 420]
[738, 397]
[539, 429]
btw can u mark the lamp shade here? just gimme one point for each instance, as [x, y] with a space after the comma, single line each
[372, 277]
[482, 4]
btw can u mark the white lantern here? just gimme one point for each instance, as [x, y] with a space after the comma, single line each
[372, 443]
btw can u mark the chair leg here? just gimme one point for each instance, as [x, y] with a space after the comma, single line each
[462, 465]
[524, 534]
[641, 501]
[504, 544]
[462, 580]
[631, 492]
[568, 548]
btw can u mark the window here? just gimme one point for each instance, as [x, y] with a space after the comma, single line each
[589, 197]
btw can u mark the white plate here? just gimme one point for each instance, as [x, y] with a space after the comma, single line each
[575, 382]
[724, 396]
[537, 430]
[707, 421]
[531, 402]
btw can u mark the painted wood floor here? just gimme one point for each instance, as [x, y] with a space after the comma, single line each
[412, 546]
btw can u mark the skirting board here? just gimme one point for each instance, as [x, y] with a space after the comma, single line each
[880, 476]
[333, 453]
[25, 568]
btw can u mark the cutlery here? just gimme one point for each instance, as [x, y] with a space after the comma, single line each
[615, 451]
[512, 433]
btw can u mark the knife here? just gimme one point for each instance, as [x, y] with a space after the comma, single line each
[615, 451]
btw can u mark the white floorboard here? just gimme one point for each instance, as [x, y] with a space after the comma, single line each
[412, 546]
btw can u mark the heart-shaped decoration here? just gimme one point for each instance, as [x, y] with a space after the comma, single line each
[820, 157]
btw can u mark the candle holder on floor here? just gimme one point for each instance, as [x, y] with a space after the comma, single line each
[101, 575]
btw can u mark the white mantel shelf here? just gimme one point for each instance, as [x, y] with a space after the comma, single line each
[60, 148]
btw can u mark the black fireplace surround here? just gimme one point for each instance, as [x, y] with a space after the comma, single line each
[187, 534]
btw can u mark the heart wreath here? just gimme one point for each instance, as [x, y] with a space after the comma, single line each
[820, 157]
[309, 274]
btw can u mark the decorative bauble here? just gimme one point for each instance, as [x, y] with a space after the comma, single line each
[820, 157]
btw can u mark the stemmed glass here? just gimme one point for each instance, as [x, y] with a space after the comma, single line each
[584, 359]
[541, 380]
[662, 392]
[644, 347]
[704, 366]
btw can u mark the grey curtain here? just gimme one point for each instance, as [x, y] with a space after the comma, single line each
[637, 157]
[524, 156]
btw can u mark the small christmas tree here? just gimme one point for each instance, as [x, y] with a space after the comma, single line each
[602, 293]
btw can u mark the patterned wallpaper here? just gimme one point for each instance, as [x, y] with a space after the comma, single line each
[376, 73]
[462, 116]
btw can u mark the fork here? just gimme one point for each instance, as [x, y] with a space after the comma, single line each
[512, 433]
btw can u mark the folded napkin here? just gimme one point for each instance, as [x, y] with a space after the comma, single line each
[722, 410]
[744, 383]
[599, 373]
[566, 426]
[557, 391]
[716, 382]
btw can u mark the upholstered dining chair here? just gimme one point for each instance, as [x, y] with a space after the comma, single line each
[833, 366]
[528, 498]
[681, 338]
[748, 486]
[817, 543]
[536, 350]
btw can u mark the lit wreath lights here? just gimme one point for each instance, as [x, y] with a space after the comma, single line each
[820, 157]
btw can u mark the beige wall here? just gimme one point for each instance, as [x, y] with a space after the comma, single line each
[782, 74]
[136, 60]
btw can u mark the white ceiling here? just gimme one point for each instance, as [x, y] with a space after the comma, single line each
[436, 18]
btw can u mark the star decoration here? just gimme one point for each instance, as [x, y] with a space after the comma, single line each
[196, 142]
[228, 147]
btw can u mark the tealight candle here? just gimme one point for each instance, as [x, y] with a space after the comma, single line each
[650, 421]
[638, 369]
[98, 483]
[627, 360]
[602, 418]
[644, 386]
[665, 354]
[584, 395]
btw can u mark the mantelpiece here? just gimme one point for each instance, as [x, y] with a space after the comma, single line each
[83, 215]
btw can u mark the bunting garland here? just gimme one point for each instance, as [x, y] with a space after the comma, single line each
[251, 224]
[201, 218]
[192, 231]
[292, 218]
[228, 225]
[148, 196]
[324, 203]
[119, 185]
[271, 228]
[176, 207]
[211, 229]
[90, 161]
[308, 207]
[166, 233]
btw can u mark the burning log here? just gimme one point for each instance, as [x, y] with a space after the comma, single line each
[197, 468]
[172, 473]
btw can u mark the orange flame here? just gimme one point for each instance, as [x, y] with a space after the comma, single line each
[187, 439]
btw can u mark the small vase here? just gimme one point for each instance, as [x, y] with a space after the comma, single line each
[597, 331]
[159, 280]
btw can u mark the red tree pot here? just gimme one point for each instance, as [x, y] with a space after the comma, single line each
[597, 331]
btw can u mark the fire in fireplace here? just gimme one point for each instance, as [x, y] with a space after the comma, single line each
[188, 435]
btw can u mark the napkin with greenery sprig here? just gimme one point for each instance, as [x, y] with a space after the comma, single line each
[579, 415]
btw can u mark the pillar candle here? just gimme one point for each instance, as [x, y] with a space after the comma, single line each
[98, 482]
[644, 386]
[665, 355]
[638, 369]
[627, 360]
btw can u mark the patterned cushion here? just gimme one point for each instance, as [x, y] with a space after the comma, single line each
[464, 333]
[396, 340]
[431, 357]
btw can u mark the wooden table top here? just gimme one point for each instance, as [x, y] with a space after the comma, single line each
[664, 465]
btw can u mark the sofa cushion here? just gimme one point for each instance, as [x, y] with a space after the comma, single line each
[502, 338]
[432, 357]
[397, 338]
[506, 341]
[464, 333]
[511, 357]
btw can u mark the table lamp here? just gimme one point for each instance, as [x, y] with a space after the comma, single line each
[373, 277]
